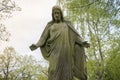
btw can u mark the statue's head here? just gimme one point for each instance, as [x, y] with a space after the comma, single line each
[57, 14]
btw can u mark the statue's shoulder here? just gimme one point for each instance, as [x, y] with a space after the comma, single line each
[69, 23]
[50, 23]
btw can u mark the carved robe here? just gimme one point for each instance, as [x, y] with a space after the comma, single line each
[61, 45]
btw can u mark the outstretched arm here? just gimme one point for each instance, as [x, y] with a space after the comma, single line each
[82, 43]
[86, 44]
[41, 42]
[33, 47]
[44, 37]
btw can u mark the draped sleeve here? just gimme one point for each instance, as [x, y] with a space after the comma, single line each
[78, 38]
[42, 42]
[79, 58]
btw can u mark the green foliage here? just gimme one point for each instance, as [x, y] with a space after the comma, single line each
[91, 65]
[7, 7]
[112, 62]
[14, 67]
[4, 34]
[7, 62]
[99, 22]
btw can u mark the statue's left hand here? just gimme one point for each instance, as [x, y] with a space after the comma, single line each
[85, 44]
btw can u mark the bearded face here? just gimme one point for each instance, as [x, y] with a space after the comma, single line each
[57, 15]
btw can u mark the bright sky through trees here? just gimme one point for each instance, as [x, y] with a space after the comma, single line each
[27, 25]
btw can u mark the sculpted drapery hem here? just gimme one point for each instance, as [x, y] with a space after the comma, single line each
[63, 62]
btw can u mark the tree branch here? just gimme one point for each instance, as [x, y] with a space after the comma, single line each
[86, 4]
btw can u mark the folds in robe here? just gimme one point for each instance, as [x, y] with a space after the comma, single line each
[61, 45]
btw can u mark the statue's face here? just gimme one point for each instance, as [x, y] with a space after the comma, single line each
[57, 15]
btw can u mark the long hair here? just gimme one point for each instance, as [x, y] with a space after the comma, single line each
[58, 8]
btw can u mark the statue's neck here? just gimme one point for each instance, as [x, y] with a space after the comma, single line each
[58, 21]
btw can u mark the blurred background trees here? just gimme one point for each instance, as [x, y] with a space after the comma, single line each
[7, 7]
[18, 67]
[98, 21]
[14, 66]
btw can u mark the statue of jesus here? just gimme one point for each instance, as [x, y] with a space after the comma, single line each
[63, 48]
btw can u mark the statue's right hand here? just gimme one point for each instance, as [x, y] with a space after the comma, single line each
[33, 47]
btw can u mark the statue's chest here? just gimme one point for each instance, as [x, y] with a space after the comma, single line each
[58, 27]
